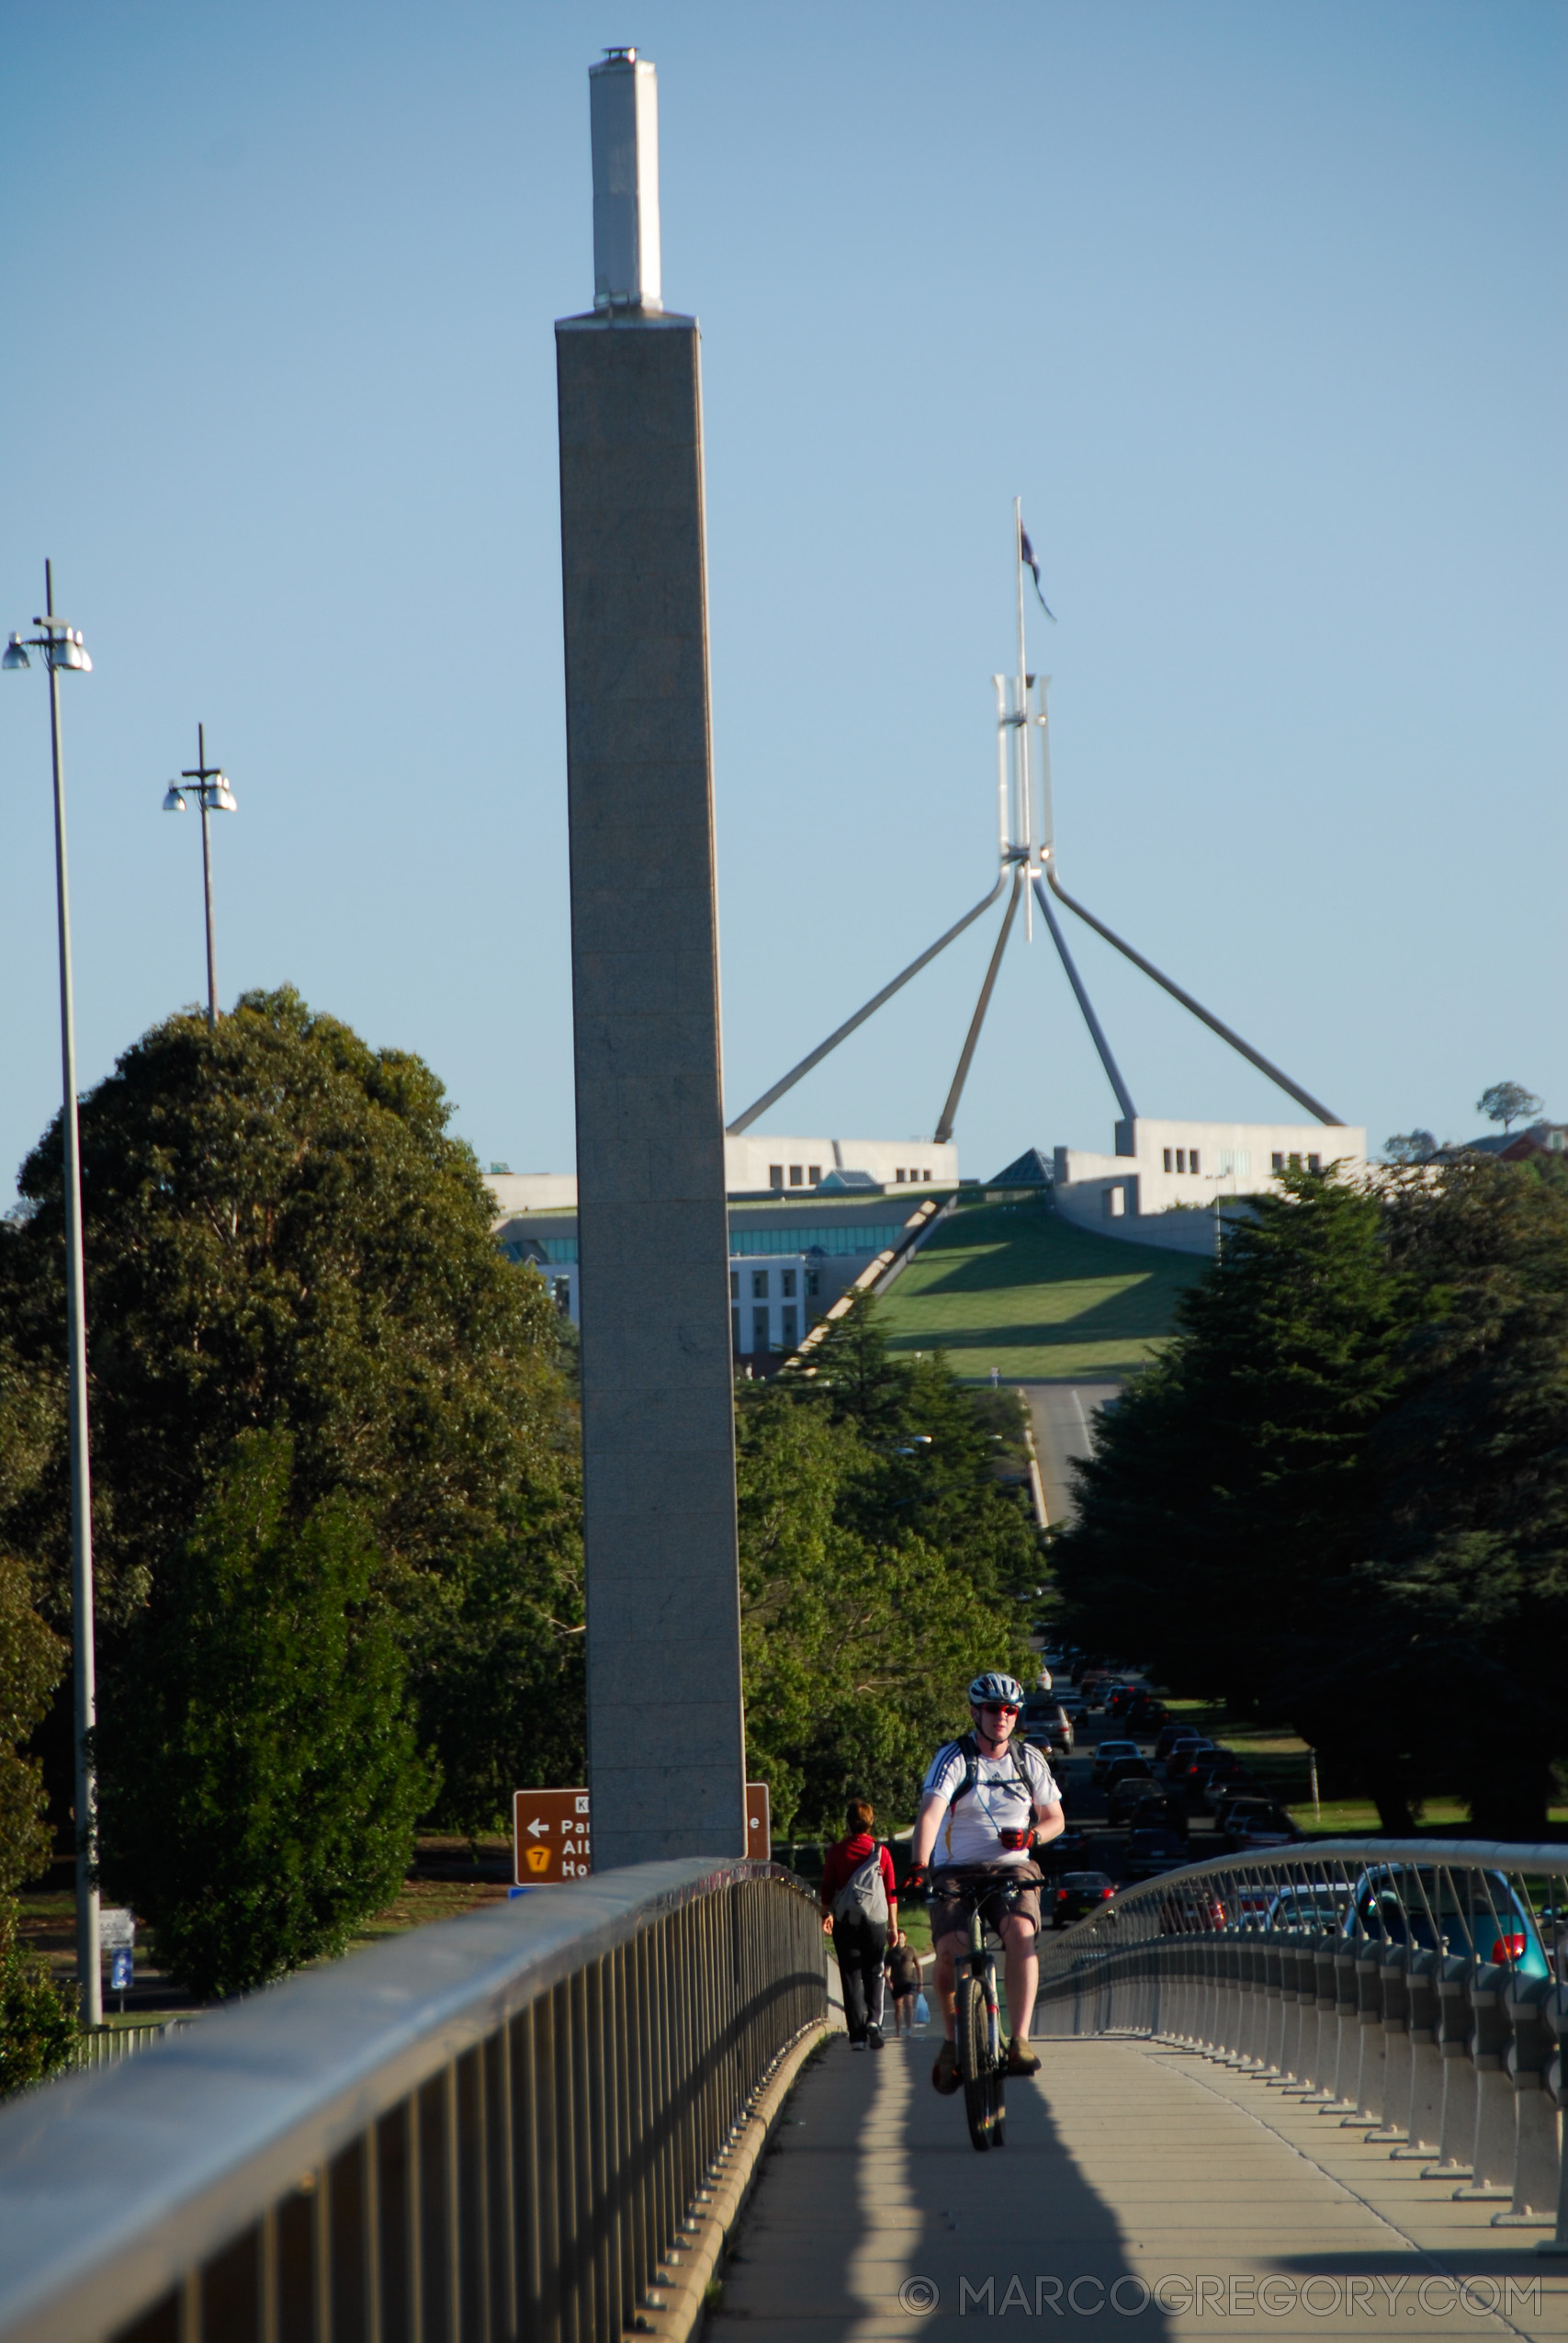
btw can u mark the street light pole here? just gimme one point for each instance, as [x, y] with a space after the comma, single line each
[213, 795]
[61, 648]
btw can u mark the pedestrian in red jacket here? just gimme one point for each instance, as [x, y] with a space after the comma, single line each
[860, 1909]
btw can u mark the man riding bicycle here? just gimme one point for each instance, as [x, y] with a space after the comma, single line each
[987, 1800]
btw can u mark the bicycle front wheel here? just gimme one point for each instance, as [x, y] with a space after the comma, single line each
[980, 2077]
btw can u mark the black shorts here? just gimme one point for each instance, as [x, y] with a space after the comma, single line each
[949, 1910]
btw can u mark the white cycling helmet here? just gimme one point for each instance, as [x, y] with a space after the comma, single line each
[995, 1688]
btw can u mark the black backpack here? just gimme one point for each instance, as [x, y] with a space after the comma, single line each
[971, 1748]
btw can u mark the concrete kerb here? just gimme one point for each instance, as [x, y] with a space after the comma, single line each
[675, 2313]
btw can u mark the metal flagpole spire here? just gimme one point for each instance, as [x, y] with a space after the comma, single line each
[1021, 836]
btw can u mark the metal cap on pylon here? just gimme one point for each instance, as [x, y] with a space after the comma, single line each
[623, 107]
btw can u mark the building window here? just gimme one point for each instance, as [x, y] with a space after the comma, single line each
[758, 1284]
[797, 1176]
[813, 1282]
[900, 1177]
[1278, 1162]
[1113, 1202]
[814, 1175]
[925, 1175]
[1315, 1162]
[735, 1330]
[760, 1329]
[563, 1296]
[1169, 1160]
[790, 1322]
[776, 1175]
[1181, 1159]
[1192, 1162]
[786, 1284]
[1295, 1163]
[734, 1285]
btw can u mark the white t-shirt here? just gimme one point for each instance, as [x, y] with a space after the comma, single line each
[971, 1832]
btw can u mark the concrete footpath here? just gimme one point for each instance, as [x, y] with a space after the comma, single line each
[1141, 2186]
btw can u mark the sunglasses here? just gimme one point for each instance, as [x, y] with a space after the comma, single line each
[999, 1708]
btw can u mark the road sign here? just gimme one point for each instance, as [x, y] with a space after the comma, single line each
[116, 1928]
[549, 1837]
[759, 1829]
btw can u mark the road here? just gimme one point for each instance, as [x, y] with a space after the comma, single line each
[1061, 1415]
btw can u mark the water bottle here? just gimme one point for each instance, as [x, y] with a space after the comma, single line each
[923, 2013]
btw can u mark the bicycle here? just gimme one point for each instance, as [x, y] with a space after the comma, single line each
[980, 2041]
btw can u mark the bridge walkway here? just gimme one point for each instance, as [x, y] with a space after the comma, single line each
[1141, 2183]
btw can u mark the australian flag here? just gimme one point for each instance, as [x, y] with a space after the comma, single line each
[1026, 552]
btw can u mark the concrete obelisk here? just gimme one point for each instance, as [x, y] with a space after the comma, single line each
[666, 1762]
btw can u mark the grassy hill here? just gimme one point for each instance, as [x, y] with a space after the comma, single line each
[1015, 1287]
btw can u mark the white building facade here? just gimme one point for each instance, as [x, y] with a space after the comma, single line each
[1158, 1166]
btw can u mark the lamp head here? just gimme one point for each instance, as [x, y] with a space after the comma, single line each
[14, 655]
[67, 651]
[173, 800]
[223, 798]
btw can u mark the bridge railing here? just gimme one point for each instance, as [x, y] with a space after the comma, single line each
[1415, 1987]
[497, 2127]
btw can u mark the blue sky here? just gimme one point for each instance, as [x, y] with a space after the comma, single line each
[1259, 306]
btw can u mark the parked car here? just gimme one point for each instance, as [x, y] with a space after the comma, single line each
[1251, 1822]
[1475, 1913]
[1107, 1755]
[1150, 1852]
[1079, 1892]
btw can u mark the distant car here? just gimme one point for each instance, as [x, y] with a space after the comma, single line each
[1180, 1755]
[1047, 1722]
[1169, 1736]
[1155, 1809]
[1471, 1913]
[1150, 1852]
[1127, 1792]
[1247, 1823]
[1107, 1755]
[1317, 1910]
[1065, 1852]
[1212, 1771]
[1191, 1911]
[1079, 1892]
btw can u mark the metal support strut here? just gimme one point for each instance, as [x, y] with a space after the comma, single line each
[1292, 1090]
[1114, 1072]
[949, 1113]
[761, 1106]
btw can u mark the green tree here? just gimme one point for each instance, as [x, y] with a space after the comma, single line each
[38, 2019]
[32, 1661]
[281, 1235]
[38, 2022]
[259, 1796]
[1472, 1550]
[877, 1553]
[1507, 1103]
[1410, 1147]
[1226, 1516]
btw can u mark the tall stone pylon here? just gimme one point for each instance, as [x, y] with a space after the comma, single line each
[666, 1753]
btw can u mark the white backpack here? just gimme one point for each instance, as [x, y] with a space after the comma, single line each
[864, 1892]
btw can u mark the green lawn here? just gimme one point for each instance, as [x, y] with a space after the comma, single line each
[1014, 1287]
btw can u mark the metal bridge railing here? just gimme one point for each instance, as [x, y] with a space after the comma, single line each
[1415, 1988]
[495, 2128]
